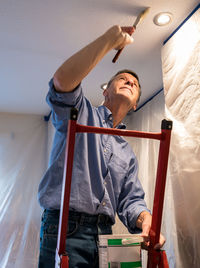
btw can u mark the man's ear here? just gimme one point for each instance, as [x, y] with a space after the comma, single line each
[105, 92]
[134, 107]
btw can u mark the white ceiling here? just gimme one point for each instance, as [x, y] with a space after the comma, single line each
[37, 36]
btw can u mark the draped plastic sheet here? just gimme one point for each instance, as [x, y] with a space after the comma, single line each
[181, 74]
[23, 160]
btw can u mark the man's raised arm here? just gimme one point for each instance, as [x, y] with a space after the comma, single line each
[76, 68]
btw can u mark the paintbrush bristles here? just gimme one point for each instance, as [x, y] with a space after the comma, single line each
[141, 16]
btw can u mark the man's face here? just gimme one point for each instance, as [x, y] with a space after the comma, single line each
[124, 87]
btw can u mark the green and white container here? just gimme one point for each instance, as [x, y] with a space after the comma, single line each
[120, 251]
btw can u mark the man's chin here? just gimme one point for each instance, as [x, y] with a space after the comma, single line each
[126, 96]
[126, 90]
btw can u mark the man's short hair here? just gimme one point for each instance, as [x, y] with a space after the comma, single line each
[129, 72]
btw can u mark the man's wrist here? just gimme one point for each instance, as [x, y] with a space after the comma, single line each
[142, 216]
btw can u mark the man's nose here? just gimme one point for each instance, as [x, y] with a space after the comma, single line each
[129, 83]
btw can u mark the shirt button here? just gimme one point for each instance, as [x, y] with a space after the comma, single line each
[105, 150]
[104, 203]
[105, 182]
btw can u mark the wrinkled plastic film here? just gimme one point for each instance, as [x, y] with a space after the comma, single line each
[23, 160]
[181, 74]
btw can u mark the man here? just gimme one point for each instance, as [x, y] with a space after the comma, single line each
[104, 179]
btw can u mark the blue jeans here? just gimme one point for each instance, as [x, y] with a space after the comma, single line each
[82, 238]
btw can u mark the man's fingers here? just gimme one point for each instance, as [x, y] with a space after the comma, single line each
[128, 29]
[127, 32]
[146, 243]
[120, 36]
[127, 40]
[161, 242]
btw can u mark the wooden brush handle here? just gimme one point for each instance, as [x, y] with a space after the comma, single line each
[117, 55]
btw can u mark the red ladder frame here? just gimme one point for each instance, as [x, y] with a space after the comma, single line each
[156, 258]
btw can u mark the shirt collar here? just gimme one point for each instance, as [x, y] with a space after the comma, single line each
[107, 115]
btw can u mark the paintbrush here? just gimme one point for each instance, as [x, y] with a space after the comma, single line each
[139, 18]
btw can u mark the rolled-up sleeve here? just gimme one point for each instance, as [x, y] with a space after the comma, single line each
[61, 103]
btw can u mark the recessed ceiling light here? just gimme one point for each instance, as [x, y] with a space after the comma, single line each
[162, 18]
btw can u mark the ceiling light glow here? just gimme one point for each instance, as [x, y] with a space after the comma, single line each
[162, 18]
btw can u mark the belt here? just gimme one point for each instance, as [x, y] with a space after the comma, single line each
[87, 218]
[82, 217]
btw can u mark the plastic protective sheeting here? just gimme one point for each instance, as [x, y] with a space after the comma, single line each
[23, 161]
[181, 74]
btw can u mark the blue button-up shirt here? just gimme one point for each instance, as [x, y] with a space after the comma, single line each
[105, 170]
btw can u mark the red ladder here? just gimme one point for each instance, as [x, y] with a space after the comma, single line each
[156, 258]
